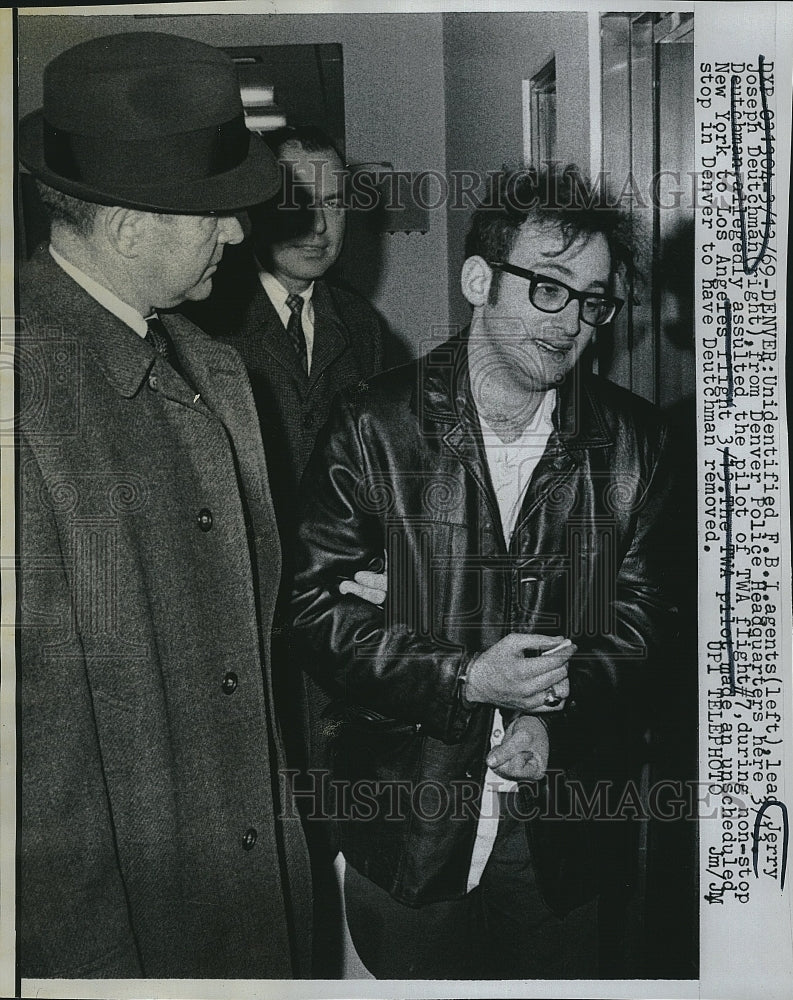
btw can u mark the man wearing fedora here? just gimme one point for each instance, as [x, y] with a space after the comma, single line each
[153, 835]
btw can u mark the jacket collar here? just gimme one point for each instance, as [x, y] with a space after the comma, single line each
[123, 357]
[445, 387]
[330, 335]
[270, 338]
[445, 394]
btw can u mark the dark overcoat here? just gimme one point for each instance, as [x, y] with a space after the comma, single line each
[149, 829]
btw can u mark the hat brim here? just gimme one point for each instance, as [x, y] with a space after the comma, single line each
[256, 179]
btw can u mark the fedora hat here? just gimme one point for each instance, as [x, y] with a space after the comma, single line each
[147, 120]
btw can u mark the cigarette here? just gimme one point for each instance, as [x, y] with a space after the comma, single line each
[556, 648]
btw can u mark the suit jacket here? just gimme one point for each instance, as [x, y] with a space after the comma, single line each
[403, 466]
[292, 406]
[149, 741]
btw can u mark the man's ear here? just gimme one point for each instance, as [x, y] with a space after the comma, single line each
[475, 280]
[125, 229]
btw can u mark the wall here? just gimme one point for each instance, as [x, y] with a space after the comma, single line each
[422, 91]
[393, 86]
[487, 58]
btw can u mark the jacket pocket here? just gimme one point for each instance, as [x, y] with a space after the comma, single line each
[366, 719]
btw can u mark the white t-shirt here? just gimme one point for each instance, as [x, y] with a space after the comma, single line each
[511, 468]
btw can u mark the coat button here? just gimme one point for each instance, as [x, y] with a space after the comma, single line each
[229, 684]
[308, 421]
[154, 383]
[204, 519]
[249, 839]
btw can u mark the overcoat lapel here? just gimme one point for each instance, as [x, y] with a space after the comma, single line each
[223, 386]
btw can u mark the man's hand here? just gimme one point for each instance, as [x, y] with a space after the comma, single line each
[523, 755]
[519, 671]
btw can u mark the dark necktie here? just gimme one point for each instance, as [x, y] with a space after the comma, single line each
[295, 331]
[158, 337]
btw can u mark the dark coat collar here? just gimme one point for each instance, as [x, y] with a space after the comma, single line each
[123, 357]
[446, 396]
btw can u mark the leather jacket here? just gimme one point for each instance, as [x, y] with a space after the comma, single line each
[401, 468]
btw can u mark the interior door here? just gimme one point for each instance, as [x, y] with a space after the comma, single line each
[647, 93]
[648, 156]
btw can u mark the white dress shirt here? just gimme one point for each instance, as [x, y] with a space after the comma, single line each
[278, 295]
[107, 299]
[511, 468]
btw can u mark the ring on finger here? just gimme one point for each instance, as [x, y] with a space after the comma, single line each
[551, 698]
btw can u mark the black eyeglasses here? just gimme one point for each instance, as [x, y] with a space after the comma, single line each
[551, 296]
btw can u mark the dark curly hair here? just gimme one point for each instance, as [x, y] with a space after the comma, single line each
[550, 196]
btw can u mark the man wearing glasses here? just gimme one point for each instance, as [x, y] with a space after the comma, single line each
[491, 712]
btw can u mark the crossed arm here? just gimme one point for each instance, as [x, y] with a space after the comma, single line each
[390, 669]
[523, 753]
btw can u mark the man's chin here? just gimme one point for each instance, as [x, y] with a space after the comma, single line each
[541, 379]
[199, 292]
[306, 265]
[309, 274]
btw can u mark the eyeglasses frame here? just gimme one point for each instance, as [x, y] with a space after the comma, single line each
[533, 278]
